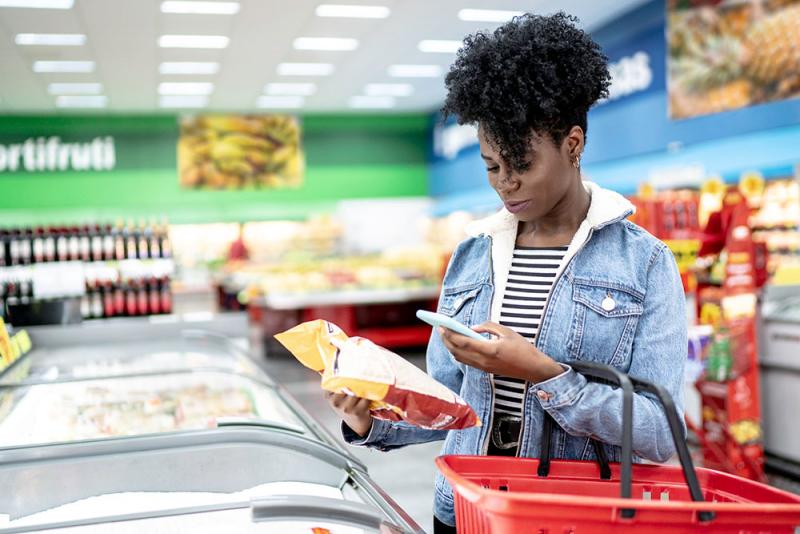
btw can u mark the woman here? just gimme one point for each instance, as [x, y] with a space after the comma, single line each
[559, 274]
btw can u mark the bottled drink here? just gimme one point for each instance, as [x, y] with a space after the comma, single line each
[74, 244]
[13, 248]
[62, 245]
[155, 242]
[3, 255]
[166, 296]
[38, 246]
[119, 242]
[130, 241]
[24, 247]
[143, 241]
[163, 230]
[86, 243]
[50, 245]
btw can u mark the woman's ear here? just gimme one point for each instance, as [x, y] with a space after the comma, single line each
[574, 142]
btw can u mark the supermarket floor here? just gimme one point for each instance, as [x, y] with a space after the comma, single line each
[405, 474]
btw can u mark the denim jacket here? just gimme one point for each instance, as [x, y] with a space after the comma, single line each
[643, 334]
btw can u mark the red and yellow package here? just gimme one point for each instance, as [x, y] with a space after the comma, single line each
[399, 390]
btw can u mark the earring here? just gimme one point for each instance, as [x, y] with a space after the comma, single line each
[577, 162]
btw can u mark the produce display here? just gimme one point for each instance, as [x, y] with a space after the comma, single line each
[396, 270]
[399, 391]
[730, 54]
[240, 151]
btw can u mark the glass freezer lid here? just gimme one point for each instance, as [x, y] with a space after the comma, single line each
[229, 479]
[192, 350]
[137, 404]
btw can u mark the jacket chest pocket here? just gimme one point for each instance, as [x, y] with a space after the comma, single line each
[459, 303]
[604, 322]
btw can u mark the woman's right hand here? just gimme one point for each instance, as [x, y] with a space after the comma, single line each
[354, 411]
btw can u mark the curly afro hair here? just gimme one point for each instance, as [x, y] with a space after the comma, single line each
[533, 75]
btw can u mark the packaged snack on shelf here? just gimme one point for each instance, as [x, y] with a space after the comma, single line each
[356, 366]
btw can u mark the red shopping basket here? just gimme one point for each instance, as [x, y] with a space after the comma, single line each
[499, 495]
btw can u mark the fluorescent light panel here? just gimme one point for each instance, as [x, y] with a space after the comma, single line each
[50, 39]
[439, 46]
[193, 41]
[488, 15]
[183, 101]
[39, 4]
[63, 66]
[73, 101]
[373, 102]
[388, 89]
[414, 71]
[298, 89]
[185, 88]
[200, 8]
[280, 101]
[326, 44]
[354, 12]
[188, 67]
[75, 88]
[305, 69]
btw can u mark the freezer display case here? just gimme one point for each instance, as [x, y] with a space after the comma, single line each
[232, 478]
[780, 373]
[164, 432]
[88, 391]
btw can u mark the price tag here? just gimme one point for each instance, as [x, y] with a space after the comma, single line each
[5, 346]
[23, 341]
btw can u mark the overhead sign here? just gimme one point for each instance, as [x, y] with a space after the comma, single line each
[40, 154]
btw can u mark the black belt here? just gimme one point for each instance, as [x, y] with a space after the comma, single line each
[506, 431]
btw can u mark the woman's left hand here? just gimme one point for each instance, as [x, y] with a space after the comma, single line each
[506, 354]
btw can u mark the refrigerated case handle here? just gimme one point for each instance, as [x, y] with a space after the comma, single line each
[289, 507]
[259, 423]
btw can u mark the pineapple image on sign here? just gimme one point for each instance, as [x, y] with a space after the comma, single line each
[240, 152]
[726, 55]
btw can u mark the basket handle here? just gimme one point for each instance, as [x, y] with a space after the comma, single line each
[628, 386]
[611, 374]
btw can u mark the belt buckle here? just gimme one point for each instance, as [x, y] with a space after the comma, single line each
[497, 437]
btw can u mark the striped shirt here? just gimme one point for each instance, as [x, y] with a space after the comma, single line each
[530, 279]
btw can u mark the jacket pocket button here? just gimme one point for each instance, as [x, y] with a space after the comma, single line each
[608, 304]
[543, 395]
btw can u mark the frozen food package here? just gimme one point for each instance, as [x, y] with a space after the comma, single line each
[399, 390]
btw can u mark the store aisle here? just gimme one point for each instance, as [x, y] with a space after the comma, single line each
[405, 474]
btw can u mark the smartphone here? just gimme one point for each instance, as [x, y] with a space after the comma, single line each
[437, 319]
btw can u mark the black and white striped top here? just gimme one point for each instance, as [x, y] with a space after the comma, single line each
[530, 280]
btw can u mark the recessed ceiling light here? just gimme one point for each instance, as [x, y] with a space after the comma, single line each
[175, 101]
[185, 88]
[63, 66]
[355, 12]
[388, 89]
[200, 8]
[439, 46]
[375, 102]
[414, 71]
[305, 69]
[301, 89]
[81, 101]
[38, 4]
[50, 39]
[75, 88]
[280, 101]
[188, 67]
[488, 15]
[331, 44]
[193, 41]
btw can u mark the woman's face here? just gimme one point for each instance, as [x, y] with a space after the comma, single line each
[533, 193]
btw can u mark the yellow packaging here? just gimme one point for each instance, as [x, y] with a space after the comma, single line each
[356, 366]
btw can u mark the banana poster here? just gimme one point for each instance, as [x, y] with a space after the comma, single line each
[726, 54]
[240, 152]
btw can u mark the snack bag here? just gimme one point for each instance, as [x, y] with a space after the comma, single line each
[399, 390]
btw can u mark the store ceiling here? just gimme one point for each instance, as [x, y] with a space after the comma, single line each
[122, 39]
